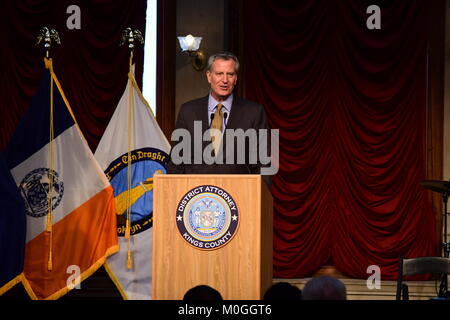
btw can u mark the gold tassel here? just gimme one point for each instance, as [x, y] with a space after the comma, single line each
[50, 261]
[129, 263]
[127, 230]
[49, 229]
[49, 222]
[130, 145]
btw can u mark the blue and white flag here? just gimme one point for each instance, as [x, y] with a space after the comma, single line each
[132, 149]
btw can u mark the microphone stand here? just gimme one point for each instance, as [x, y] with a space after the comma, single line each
[443, 288]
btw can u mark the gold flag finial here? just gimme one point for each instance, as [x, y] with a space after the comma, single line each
[130, 37]
[47, 36]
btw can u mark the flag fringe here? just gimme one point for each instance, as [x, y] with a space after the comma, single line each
[86, 274]
[11, 283]
[116, 281]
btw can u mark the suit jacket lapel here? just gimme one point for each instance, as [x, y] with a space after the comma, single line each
[233, 121]
[201, 113]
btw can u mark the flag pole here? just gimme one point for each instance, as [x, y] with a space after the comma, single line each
[46, 36]
[130, 36]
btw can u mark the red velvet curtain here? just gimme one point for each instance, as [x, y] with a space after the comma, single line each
[351, 106]
[350, 103]
[89, 63]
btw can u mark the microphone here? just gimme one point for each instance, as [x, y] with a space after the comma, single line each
[211, 117]
[225, 116]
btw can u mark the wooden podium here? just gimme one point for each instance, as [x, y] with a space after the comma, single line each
[240, 269]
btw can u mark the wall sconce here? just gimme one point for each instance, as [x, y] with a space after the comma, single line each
[191, 44]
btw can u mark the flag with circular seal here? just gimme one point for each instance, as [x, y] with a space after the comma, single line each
[132, 149]
[69, 203]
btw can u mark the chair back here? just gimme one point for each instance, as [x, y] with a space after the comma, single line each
[421, 265]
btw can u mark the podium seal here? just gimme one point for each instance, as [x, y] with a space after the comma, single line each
[207, 217]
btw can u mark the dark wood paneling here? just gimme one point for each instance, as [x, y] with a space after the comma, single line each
[435, 135]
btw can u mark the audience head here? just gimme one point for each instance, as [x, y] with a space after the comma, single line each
[283, 291]
[202, 293]
[324, 288]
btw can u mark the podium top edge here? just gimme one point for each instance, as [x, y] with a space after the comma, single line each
[221, 176]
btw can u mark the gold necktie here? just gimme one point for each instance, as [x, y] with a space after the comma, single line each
[217, 124]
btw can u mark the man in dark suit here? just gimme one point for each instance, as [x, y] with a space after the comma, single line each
[233, 143]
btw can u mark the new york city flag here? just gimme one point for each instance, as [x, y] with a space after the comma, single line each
[69, 202]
